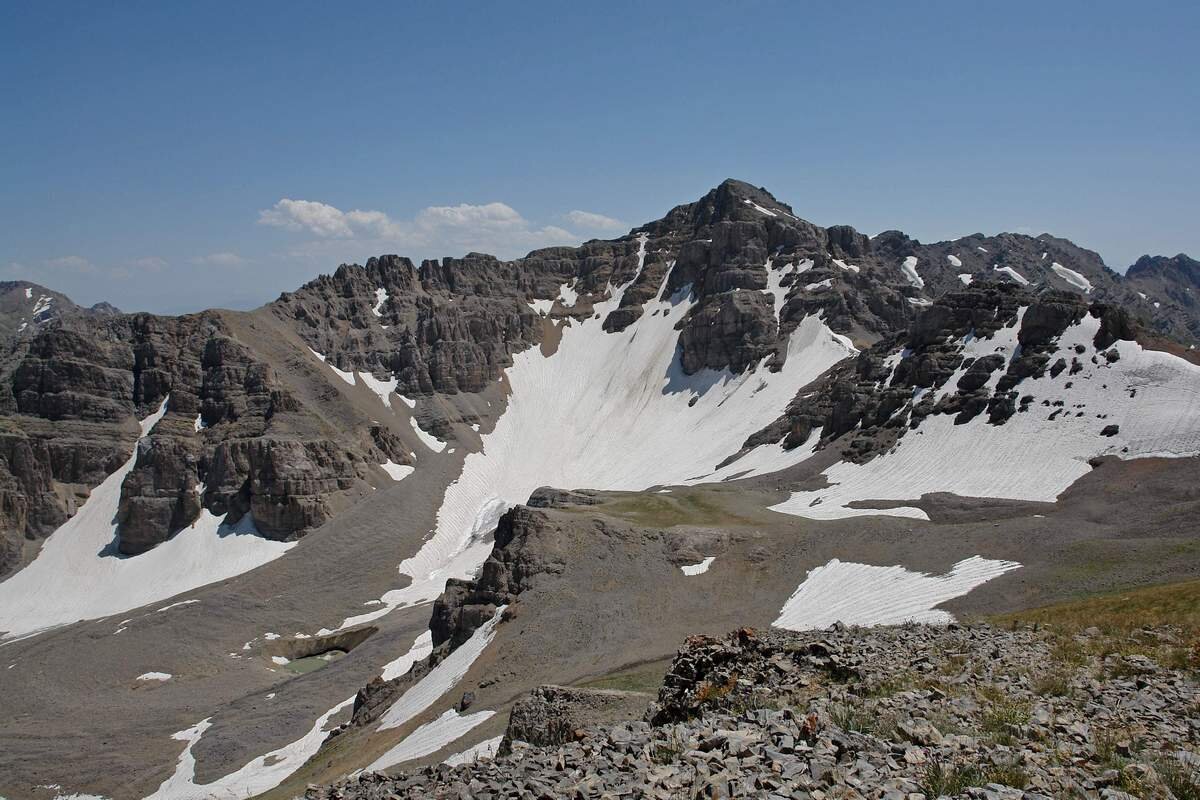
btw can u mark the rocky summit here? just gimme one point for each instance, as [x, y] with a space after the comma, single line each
[965, 711]
[438, 528]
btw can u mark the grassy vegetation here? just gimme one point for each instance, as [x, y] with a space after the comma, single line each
[943, 780]
[1121, 612]
[680, 507]
[641, 678]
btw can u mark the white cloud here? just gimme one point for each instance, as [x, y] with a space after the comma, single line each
[77, 264]
[591, 221]
[222, 259]
[435, 231]
[149, 264]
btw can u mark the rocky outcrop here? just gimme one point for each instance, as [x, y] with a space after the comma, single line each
[525, 548]
[912, 711]
[553, 715]
[864, 713]
[71, 395]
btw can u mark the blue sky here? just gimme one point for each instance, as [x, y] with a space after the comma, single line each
[170, 156]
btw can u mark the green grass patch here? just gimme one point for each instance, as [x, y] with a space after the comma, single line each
[1120, 612]
[679, 507]
[646, 678]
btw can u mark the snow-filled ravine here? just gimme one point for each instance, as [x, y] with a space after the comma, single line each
[1153, 397]
[76, 575]
[610, 411]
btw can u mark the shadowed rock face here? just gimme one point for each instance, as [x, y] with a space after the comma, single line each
[73, 382]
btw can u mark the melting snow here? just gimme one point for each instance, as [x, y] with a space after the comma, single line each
[155, 676]
[441, 678]
[966, 278]
[431, 737]
[981, 249]
[1142, 295]
[757, 207]
[382, 388]
[397, 472]
[429, 440]
[574, 417]
[421, 647]
[1012, 273]
[954, 261]
[860, 594]
[263, 773]
[483, 751]
[74, 578]
[919, 301]
[1030, 457]
[845, 266]
[28, 293]
[909, 268]
[825, 284]
[381, 297]
[169, 606]
[568, 295]
[1072, 277]
[698, 569]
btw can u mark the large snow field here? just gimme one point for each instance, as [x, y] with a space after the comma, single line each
[610, 411]
[75, 576]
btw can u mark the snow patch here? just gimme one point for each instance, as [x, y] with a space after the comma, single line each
[442, 678]
[421, 647]
[155, 676]
[263, 773]
[483, 751]
[698, 569]
[825, 284]
[1012, 273]
[382, 388]
[1072, 277]
[955, 261]
[966, 278]
[909, 268]
[429, 440]
[567, 295]
[396, 472]
[757, 207]
[381, 297]
[845, 266]
[431, 737]
[861, 594]
[76, 576]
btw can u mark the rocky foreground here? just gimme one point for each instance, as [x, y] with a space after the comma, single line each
[896, 713]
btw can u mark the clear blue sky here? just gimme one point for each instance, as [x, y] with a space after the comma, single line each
[153, 151]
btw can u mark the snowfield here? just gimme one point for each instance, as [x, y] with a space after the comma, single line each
[860, 594]
[574, 418]
[75, 577]
[1152, 396]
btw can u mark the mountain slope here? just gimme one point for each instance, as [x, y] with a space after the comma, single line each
[313, 478]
